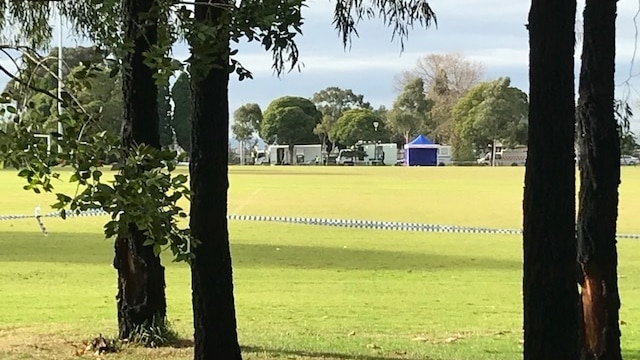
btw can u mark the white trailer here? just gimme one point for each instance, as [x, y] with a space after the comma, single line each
[279, 154]
[444, 155]
[381, 154]
[307, 154]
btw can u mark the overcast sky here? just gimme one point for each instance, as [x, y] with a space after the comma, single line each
[490, 31]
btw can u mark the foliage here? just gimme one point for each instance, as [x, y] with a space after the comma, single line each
[290, 120]
[400, 15]
[447, 77]
[450, 71]
[490, 111]
[332, 103]
[246, 121]
[166, 116]
[410, 112]
[358, 125]
[145, 192]
[153, 334]
[182, 110]
[101, 96]
[624, 114]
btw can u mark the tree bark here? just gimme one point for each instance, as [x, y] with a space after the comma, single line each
[211, 273]
[549, 285]
[141, 284]
[599, 179]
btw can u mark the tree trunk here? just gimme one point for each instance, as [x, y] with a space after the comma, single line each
[549, 289]
[211, 274]
[141, 296]
[599, 179]
[292, 155]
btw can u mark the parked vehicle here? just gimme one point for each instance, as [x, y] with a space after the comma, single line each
[629, 160]
[444, 155]
[506, 157]
[380, 154]
[346, 157]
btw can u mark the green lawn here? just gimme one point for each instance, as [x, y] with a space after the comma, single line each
[308, 292]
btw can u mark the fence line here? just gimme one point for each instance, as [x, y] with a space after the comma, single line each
[348, 223]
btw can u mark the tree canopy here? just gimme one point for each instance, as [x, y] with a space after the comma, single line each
[447, 77]
[332, 103]
[290, 120]
[410, 112]
[490, 111]
[358, 125]
[246, 121]
[182, 110]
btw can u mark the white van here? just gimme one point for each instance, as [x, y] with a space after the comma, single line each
[507, 157]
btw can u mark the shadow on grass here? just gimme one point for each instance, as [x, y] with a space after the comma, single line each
[86, 248]
[315, 257]
[91, 248]
[180, 344]
[631, 354]
[317, 354]
[338, 171]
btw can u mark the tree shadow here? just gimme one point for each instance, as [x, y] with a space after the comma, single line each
[631, 354]
[295, 171]
[319, 354]
[58, 247]
[91, 248]
[316, 257]
[180, 343]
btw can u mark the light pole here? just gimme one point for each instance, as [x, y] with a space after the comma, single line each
[375, 147]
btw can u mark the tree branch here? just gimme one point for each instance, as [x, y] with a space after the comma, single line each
[205, 3]
[32, 87]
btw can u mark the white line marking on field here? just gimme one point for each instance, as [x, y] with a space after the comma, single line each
[246, 202]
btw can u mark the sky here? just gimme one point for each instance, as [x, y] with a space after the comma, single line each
[490, 31]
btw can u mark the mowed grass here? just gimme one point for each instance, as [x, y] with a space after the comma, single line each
[308, 292]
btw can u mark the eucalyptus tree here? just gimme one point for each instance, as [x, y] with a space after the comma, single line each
[549, 201]
[599, 144]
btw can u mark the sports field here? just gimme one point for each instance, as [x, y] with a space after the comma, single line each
[309, 292]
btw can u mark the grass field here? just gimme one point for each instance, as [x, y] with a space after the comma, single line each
[308, 292]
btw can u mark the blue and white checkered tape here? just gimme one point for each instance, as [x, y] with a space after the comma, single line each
[349, 223]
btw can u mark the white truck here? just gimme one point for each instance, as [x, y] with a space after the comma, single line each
[380, 154]
[444, 155]
[507, 157]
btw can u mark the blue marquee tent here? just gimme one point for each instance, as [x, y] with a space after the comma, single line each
[421, 152]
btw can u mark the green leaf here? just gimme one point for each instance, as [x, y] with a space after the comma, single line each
[114, 71]
[157, 249]
[25, 173]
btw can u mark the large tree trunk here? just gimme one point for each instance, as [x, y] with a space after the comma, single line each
[141, 285]
[211, 274]
[550, 292]
[599, 180]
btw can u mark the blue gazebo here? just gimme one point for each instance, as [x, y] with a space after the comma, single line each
[421, 152]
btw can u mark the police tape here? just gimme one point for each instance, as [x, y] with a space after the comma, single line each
[348, 223]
